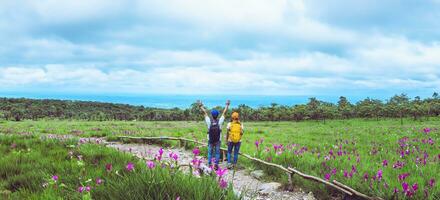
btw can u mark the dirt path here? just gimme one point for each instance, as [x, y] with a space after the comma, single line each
[241, 179]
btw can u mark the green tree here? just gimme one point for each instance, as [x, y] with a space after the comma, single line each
[195, 111]
[300, 112]
[17, 114]
[245, 112]
[416, 108]
[328, 110]
[400, 103]
[315, 111]
[345, 108]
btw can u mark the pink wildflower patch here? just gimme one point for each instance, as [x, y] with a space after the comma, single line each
[223, 184]
[327, 177]
[150, 164]
[196, 151]
[108, 167]
[129, 167]
[220, 172]
[385, 163]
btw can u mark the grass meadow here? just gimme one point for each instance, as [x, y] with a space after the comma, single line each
[379, 158]
[31, 168]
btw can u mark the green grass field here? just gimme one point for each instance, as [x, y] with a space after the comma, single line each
[32, 168]
[366, 155]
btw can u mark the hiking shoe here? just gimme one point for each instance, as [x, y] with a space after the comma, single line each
[229, 166]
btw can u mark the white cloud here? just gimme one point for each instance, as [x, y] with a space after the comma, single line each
[11, 76]
[281, 18]
[397, 57]
[186, 72]
[56, 12]
[195, 46]
[214, 13]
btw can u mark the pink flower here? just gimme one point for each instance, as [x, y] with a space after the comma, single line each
[99, 181]
[178, 198]
[257, 143]
[409, 193]
[398, 165]
[150, 164]
[426, 130]
[176, 157]
[405, 187]
[353, 169]
[108, 167]
[415, 187]
[196, 162]
[196, 151]
[129, 167]
[220, 172]
[159, 157]
[160, 152]
[396, 190]
[278, 147]
[385, 163]
[173, 156]
[366, 176]
[223, 184]
[345, 173]
[379, 175]
[55, 178]
[327, 177]
[81, 189]
[430, 141]
[402, 177]
[88, 188]
[431, 182]
[334, 170]
[269, 159]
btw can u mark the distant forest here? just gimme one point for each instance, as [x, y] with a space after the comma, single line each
[398, 106]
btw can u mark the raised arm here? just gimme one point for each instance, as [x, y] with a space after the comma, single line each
[226, 108]
[202, 108]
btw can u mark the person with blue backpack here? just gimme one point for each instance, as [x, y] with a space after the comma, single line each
[214, 124]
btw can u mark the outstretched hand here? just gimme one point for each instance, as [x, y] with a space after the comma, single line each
[200, 103]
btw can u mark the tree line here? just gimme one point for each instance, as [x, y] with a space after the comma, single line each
[398, 106]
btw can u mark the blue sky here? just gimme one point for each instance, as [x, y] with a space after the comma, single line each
[251, 47]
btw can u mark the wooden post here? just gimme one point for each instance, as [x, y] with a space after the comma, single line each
[289, 179]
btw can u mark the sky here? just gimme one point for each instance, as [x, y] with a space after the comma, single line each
[222, 47]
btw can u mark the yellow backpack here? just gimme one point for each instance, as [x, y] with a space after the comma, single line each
[235, 132]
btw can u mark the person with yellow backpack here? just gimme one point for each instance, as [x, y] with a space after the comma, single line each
[233, 136]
